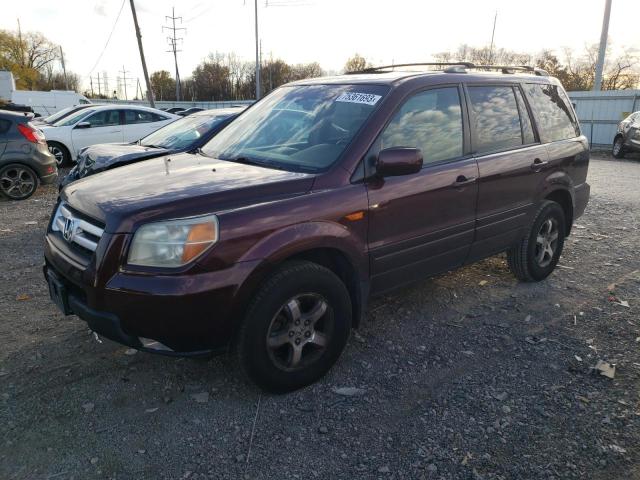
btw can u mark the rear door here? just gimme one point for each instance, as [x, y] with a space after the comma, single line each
[140, 123]
[511, 164]
[422, 224]
[104, 128]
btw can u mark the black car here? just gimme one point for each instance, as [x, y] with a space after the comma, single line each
[627, 137]
[190, 111]
[173, 109]
[25, 160]
[16, 107]
[184, 135]
[62, 114]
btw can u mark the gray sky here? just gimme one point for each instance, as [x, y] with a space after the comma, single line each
[326, 31]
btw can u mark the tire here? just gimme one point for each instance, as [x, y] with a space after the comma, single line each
[278, 315]
[618, 148]
[537, 254]
[17, 181]
[61, 154]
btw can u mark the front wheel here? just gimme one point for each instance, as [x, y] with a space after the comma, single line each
[618, 148]
[295, 328]
[537, 254]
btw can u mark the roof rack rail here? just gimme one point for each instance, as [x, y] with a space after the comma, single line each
[456, 67]
[419, 64]
[513, 68]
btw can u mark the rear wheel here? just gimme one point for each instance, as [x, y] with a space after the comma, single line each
[618, 148]
[18, 182]
[295, 328]
[537, 254]
[61, 154]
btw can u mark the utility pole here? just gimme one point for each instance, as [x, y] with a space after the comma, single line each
[597, 84]
[91, 82]
[99, 92]
[144, 63]
[495, 18]
[64, 70]
[21, 44]
[257, 53]
[124, 81]
[173, 41]
[105, 83]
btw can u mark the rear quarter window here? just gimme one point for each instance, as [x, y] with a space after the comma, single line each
[4, 125]
[552, 112]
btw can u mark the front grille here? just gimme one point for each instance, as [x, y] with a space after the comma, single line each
[78, 231]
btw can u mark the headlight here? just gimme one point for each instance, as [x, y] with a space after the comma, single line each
[173, 243]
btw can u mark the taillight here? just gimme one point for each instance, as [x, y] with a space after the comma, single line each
[31, 134]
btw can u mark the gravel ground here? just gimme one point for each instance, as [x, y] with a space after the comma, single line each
[470, 375]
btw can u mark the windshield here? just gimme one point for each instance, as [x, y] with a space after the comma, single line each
[73, 118]
[182, 133]
[58, 115]
[299, 128]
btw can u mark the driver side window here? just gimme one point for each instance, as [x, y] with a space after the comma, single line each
[105, 118]
[431, 121]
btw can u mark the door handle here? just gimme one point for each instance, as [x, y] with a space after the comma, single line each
[462, 181]
[538, 165]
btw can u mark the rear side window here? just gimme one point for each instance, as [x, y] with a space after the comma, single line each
[495, 117]
[141, 116]
[551, 109]
[4, 125]
[431, 121]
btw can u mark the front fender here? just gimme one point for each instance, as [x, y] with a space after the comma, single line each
[298, 238]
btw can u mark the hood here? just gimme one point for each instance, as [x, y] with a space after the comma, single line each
[97, 158]
[177, 186]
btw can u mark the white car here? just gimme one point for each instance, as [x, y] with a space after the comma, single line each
[102, 124]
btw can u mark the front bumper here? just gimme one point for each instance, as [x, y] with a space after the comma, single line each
[187, 314]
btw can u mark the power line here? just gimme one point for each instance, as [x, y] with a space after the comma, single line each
[108, 40]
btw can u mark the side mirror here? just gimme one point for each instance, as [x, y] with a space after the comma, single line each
[396, 161]
[84, 125]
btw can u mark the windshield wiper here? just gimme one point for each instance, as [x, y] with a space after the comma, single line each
[258, 163]
[152, 146]
[199, 151]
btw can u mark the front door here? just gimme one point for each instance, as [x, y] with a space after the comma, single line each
[104, 127]
[423, 224]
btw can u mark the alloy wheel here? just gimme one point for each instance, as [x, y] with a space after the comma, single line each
[300, 331]
[546, 242]
[58, 154]
[17, 182]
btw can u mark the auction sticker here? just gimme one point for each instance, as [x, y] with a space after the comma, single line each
[354, 97]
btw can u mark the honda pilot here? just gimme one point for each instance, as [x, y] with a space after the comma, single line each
[272, 238]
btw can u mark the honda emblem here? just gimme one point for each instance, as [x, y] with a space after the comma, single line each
[69, 229]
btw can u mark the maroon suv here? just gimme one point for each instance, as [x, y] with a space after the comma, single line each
[273, 237]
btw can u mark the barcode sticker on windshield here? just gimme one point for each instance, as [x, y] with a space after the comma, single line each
[354, 97]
